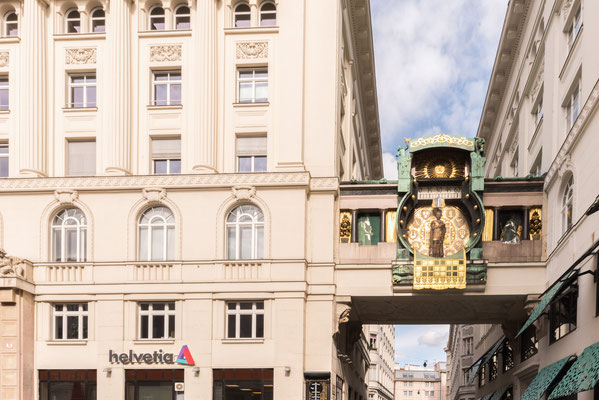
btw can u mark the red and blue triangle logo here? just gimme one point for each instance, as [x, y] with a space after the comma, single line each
[185, 356]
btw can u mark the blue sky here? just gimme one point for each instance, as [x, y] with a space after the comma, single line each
[433, 61]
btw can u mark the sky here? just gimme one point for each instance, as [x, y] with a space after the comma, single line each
[433, 62]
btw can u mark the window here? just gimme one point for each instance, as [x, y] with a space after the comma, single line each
[245, 320]
[166, 156]
[429, 384]
[529, 345]
[69, 236]
[373, 341]
[493, 368]
[82, 90]
[3, 160]
[70, 321]
[3, 92]
[507, 357]
[245, 233]
[429, 393]
[157, 320]
[157, 234]
[11, 24]
[182, 18]
[268, 14]
[245, 384]
[98, 21]
[55, 384]
[81, 159]
[514, 164]
[73, 21]
[573, 107]
[567, 205]
[482, 372]
[535, 170]
[468, 345]
[157, 19]
[562, 313]
[538, 111]
[574, 26]
[251, 154]
[253, 85]
[466, 374]
[408, 384]
[166, 88]
[242, 16]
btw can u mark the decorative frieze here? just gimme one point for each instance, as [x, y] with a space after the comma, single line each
[81, 56]
[168, 53]
[252, 50]
[4, 58]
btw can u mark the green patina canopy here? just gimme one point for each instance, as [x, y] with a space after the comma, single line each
[582, 375]
[442, 140]
[542, 381]
[500, 392]
[484, 359]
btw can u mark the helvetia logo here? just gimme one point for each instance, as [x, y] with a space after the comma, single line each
[185, 357]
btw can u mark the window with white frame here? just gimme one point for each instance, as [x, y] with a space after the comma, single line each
[567, 205]
[166, 156]
[69, 236]
[429, 393]
[573, 28]
[268, 14]
[81, 157]
[73, 21]
[245, 320]
[245, 233]
[166, 88]
[514, 164]
[11, 24]
[251, 153]
[3, 159]
[156, 234]
[408, 383]
[182, 17]
[98, 21]
[468, 345]
[82, 90]
[70, 321]
[242, 17]
[157, 19]
[4, 99]
[535, 170]
[157, 320]
[573, 105]
[429, 384]
[538, 110]
[252, 85]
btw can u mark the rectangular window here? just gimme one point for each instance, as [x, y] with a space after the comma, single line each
[466, 373]
[3, 160]
[70, 321]
[573, 106]
[507, 357]
[252, 85]
[529, 346]
[468, 346]
[3, 92]
[538, 111]
[251, 154]
[157, 320]
[574, 26]
[373, 341]
[82, 90]
[166, 156]
[154, 384]
[493, 368]
[245, 320]
[562, 313]
[81, 158]
[166, 88]
[482, 372]
[70, 384]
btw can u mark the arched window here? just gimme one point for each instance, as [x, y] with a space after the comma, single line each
[242, 16]
[98, 21]
[268, 14]
[73, 21]
[567, 205]
[157, 234]
[11, 24]
[182, 18]
[157, 19]
[69, 236]
[245, 233]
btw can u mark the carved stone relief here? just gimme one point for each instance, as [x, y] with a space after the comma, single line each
[165, 53]
[252, 50]
[4, 58]
[154, 194]
[66, 196]
[244, 192]
[81, 56]
[11, 266]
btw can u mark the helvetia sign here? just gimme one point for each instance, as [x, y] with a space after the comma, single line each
[156, 357]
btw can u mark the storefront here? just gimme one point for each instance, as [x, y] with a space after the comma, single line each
[153, 384]
[67, 384]
[243, 384]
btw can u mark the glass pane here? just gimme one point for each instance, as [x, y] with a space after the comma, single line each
[160, 93]
[157, 326]
[260, 242]
[72, 327]
[77, 96]
[245, 326]
[58, 327]
[242, 21]
[73, 27]
[244, 164]
[4, 99]
[182, 23]
[231, 306]
[170, 243]
[159, 306]
[56, 248]
[3, 149]
[231, 243]
[158, 243]
[175, 167]
[259, 326]
[157, 24]
[160, 166]
[3, 167]
[71, 244]
[245, 237]
[259, 305]
[144, 306]
[72, 307]
[144, 327]
[12, 29]
[268, 20]
[143, 244]
[231, 326]
[261, 73]
[91, 96]
[246, 74]
[171, 326]
[245, 306]
[162, 76]
[82, 244]
[259, 163]
[155, 391]
[84, 327]
[84, 307]
[261, 91]
[176, 94]
[98, 26]
[245, 92]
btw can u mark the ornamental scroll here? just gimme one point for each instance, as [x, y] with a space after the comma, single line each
[80, 56]
[165, 53]
[4, 58]
[251, 50]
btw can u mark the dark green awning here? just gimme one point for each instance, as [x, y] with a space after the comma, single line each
[475, 369]
[536, 313]
[487, 396]
[540, 384]
[582, 375]
[499, 393]
[483, 360]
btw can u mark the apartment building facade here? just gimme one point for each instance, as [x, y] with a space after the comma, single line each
[381, 339]
[414, 382]
[460, 357]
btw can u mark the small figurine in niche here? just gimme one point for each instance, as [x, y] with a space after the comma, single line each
[366, 229]
[437, 234]
[511, 232]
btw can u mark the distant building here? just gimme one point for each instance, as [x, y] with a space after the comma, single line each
[413, 382]
[382, 354]
[460, 353]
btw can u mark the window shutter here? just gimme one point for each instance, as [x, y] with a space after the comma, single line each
[251, 146]
[82, 158]
[166, 147]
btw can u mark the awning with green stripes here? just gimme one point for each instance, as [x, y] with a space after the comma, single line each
[542, 381]
[499, 393]
[483, 360]
[536, 313]
[582, 375]
[487, 396]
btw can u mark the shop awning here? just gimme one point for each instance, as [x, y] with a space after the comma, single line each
[499, 393]
[582, 375]
[475, 367]
[542, 381]
[487, 396]
[483, 360]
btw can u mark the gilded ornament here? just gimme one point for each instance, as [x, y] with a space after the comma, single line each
[405, 208]
[467, 195]
[476, 207]
[442, 139]
[478, 220]
[413, 197]
[345, 227]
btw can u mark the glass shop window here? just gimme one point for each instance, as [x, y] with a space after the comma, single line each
[562, 313]
[243, 384]
[369, 228]
[67, 384]
[152, 384]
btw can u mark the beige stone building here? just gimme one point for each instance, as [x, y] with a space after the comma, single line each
[381, 339]
[460, 357]
[169, 179]
[414, 382]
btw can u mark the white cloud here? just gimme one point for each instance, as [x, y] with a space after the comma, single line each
[433, 59]
[390, 166]
[433, 338]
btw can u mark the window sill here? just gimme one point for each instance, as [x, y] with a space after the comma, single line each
[66, 342]
[252, 29]
[79, 109]
[247, 341]
[79, 36]
[256, 104]
[154, 341]
[167, 107]
[170, 33]
[4, 112]
[9, 39]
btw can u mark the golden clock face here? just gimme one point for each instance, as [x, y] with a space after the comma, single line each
[452, 228]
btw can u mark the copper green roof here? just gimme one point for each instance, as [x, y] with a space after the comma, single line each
[542, 381]
[441, 140]
[582, 375]
[499, 393]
